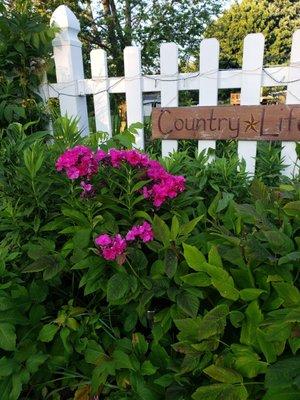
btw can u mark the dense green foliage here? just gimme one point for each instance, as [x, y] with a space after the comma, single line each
[25, 44]
[208, 310]
[114, 24]
[276, 19]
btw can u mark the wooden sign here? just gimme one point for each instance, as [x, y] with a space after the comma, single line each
[268, 122]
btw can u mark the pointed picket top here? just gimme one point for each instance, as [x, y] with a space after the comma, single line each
[69, 26]
[64, 18]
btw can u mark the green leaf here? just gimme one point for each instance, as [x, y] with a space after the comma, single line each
[220, 391]
[148, 368]
[6, 366]
[236, 318]
[189, 226]
[289, 293]
[281, 380]
[188, 303]
[279, 242]
[174, 228]
[7, 337]
[268, 348]
[170, 263]
[294, 256]
[251, 294]
[117, 287]
[94, 353]
[214, 257]
[253, 319]
[121, 360]
[222, 281]
[139, 343]
[201, 279]
[213, 323]
[35, 361]
[48, 332]
[161, 231]
[293, 208]
[222, 374]
[194, 257]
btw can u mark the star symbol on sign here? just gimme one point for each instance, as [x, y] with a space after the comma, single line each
[251, 124]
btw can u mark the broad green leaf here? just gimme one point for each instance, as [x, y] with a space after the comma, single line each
[220, 391]
[189, 226]
[201, 279]
[194, 257]
[6, 366]
[170, 263]
[48, 332]
[121, 360]
[148, 368]
[117, 286]
[139, 343]
[161, 231]
[94, 353]
[289, 258]
[188, 303]
[222, 281]
[236, 318]
[250, 294]
[252, 321]
[34, 361]
[7, 336]
[293, 208]
[279, 242]
[268, 348]
[213, 323]
[289, 293]
[224, 375]
[214, 257]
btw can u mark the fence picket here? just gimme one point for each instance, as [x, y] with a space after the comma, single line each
[69, 65]
[169, 86]
[253, 54]
[101, 99]
[134, 90]
[288, 151]
[208, 84]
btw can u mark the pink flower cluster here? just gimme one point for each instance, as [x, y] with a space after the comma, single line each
[80, 161]
[113, 247]
[143, 232]
[83, 162]
[165, 185]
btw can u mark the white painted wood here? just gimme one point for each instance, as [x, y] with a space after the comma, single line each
[101, 99]
[69, 64]
[134, 90]
[288, 152]
[169, 86]
[253, 55]
[208, 82]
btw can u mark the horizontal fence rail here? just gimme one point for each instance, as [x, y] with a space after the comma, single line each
[72, 88]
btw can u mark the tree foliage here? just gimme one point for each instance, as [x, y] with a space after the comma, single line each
[115, 24]
[276, 19]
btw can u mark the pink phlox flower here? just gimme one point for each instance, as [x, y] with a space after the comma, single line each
[116, 157]
[100, 155]
[78, 162]
[111, 246]
[88, 188]
[143, 232]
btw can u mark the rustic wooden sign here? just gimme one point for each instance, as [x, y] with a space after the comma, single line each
[268, 122]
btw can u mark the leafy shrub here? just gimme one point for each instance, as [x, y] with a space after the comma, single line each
[25, 45]
[209, 309]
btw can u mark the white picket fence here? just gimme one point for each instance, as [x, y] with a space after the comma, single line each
[71, 87]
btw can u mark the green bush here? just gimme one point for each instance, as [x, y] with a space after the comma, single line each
[25, 48]
[208, 310]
